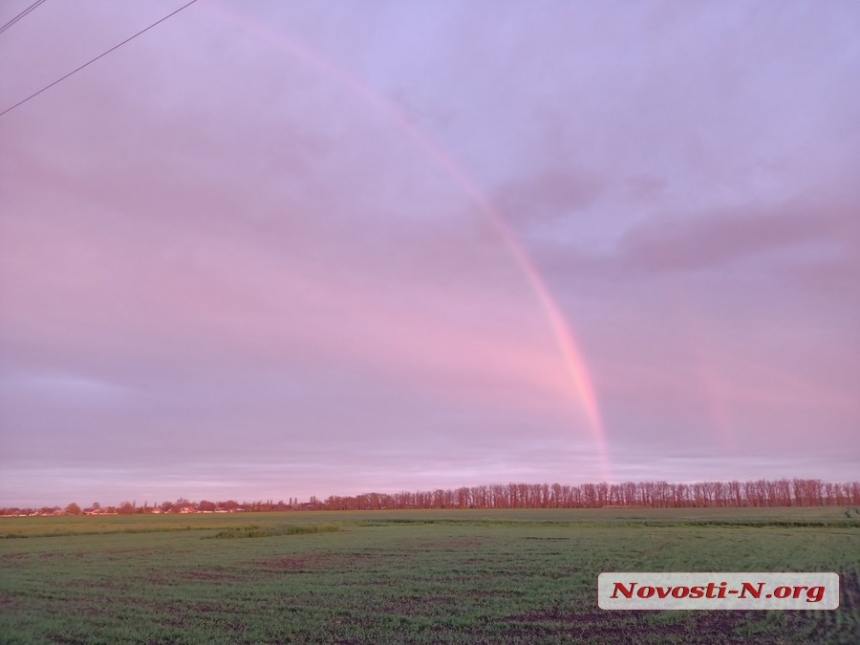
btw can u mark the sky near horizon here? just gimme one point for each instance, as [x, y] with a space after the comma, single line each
[269, 250]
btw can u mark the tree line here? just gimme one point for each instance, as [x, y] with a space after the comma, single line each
[783, 492]
[661, 494]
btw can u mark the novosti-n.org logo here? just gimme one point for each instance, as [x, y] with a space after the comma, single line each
[688, 590]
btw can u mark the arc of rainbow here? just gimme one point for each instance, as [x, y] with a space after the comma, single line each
[573, 360]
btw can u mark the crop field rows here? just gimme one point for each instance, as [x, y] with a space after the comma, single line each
[407, 576]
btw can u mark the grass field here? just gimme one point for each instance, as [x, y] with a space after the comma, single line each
[407, 576]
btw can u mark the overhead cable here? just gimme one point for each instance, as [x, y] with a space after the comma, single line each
[33, 6]
[102, 55]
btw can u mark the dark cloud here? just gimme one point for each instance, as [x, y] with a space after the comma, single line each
[695, 242]
[554, 194]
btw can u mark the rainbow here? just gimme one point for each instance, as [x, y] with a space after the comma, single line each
[576, 367]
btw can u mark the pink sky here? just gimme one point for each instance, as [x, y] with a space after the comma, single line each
[278, 250]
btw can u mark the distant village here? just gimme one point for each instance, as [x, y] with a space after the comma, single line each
[181, 506]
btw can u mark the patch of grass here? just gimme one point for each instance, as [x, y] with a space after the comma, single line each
[254, 531]
[619, 523]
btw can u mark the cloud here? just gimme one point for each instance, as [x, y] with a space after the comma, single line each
[553, 194]
[719, 238]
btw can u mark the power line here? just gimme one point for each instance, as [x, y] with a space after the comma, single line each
[33, 6]
[102, 55]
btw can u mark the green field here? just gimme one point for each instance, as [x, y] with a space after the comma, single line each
[452, 576]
